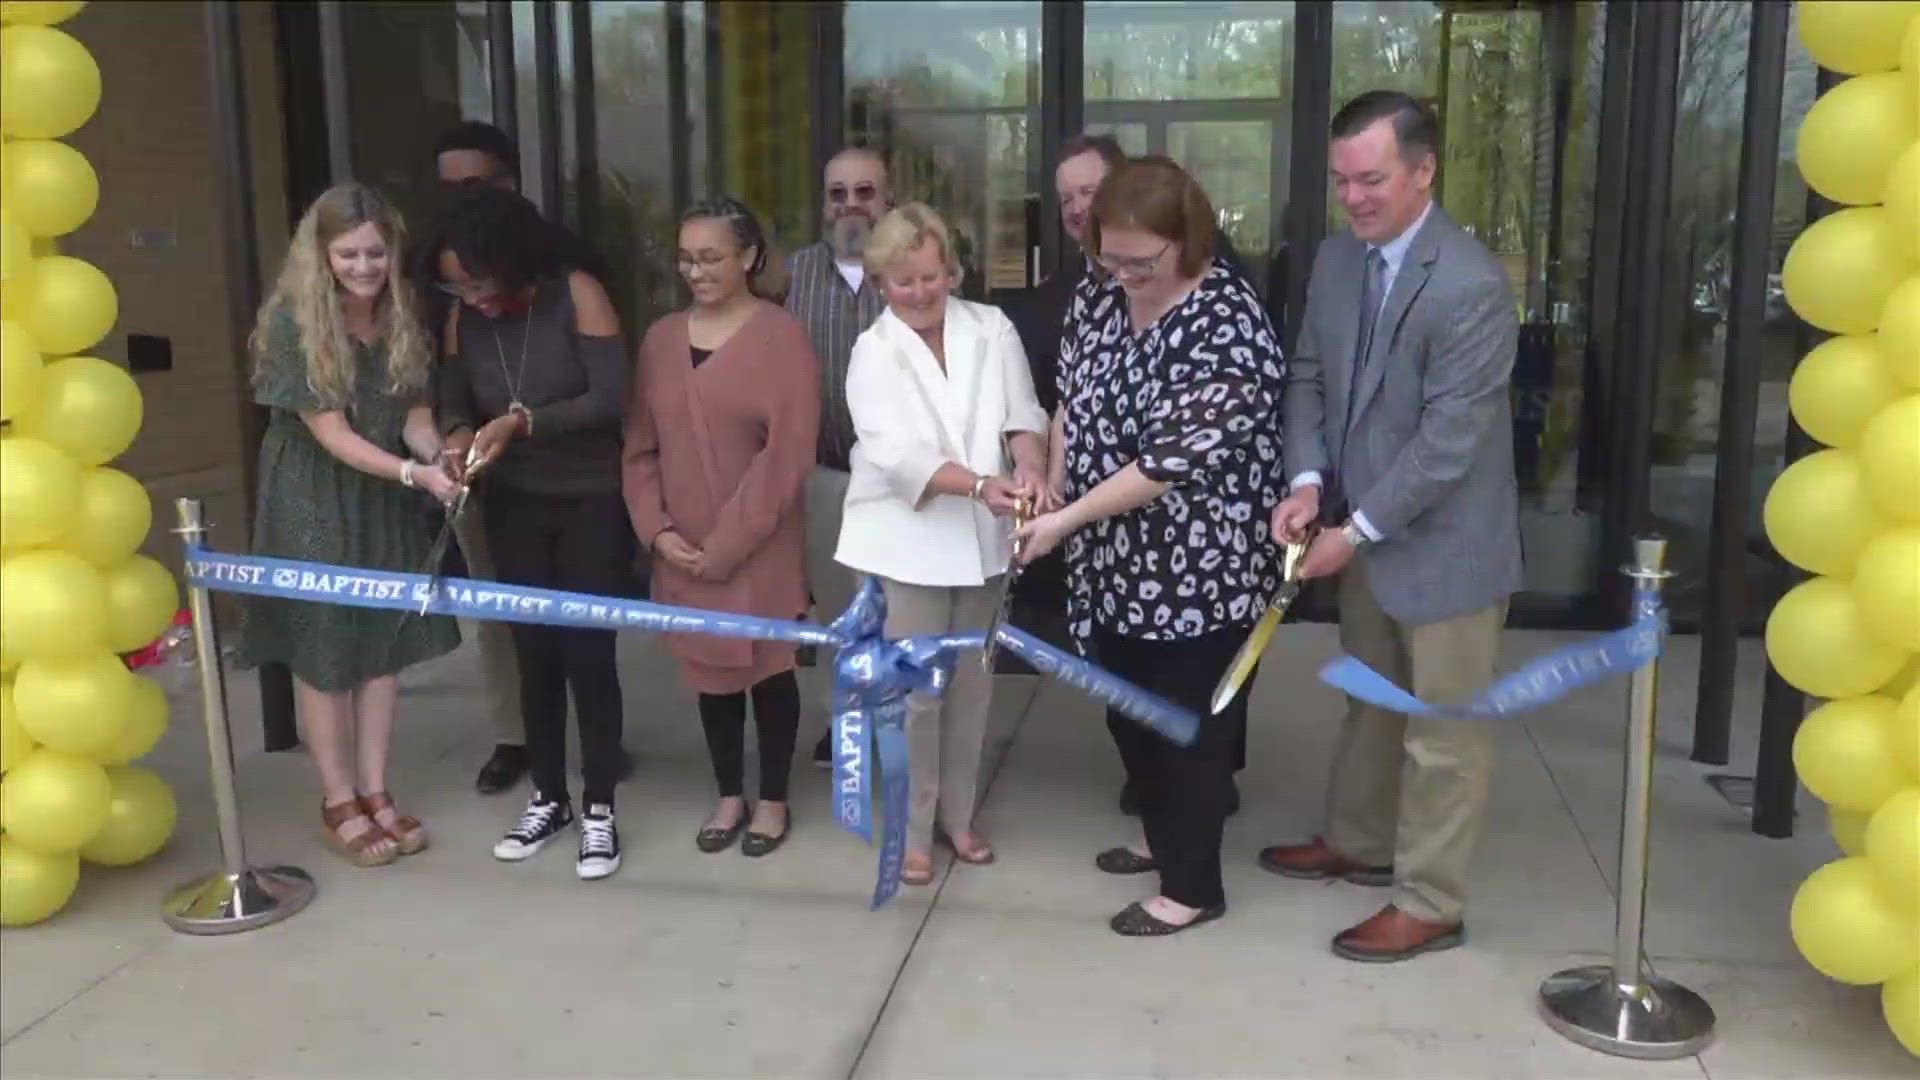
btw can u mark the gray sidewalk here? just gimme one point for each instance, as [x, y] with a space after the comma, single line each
[690, 965]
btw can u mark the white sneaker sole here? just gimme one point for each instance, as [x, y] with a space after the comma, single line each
[597, 869]
[517, 852]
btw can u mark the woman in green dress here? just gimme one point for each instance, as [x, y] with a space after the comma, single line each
[349, 455]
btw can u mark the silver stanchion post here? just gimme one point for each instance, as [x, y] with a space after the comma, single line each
[1620, 1008]
[239, 897]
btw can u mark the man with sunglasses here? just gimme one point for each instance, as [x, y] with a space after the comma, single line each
[474, 152]
[829, 292]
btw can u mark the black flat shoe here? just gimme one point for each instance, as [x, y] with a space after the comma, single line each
[756, 844]
[503, 770]
[1137, 921]
[716, 840]
[1122, 860]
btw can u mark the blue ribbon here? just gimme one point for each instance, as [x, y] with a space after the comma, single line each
[1538, 682]
[872, 675]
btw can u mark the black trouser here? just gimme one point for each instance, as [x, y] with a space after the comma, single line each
[1183, 790]
[577, 544]
[1134, 741]
[776, 719]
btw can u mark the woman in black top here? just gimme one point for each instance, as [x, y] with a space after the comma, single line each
[1170, 381]
[535, 384]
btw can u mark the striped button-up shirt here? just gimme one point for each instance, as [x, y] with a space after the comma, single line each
[834, 316]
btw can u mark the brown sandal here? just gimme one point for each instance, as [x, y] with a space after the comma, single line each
[980, 853]
[917, 875]
[363, 850]
[408, 832]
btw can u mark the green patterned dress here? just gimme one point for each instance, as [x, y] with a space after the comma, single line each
[315, 508]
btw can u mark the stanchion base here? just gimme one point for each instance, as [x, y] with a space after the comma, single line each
[229, 904]
[1657, 1020]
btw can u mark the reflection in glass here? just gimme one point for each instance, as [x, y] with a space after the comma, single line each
[949, 93]
[1207, 84]
[1699, 255]
[433, 56]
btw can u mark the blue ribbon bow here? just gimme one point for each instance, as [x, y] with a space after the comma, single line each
[872, 675]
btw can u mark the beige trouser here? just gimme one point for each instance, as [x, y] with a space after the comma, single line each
[945, 735]
[497, 663]
[1410, 790]
[832, 585]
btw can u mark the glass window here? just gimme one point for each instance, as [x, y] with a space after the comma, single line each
[433, 57]
[1207, 84]
[1699, 254]
[949, 93]
[1517, 91]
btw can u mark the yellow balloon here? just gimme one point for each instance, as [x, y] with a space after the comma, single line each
[1819, 513]
[33, 886]
[49, 83]
[38, 12]
[1820, 644]
[1838, 387]
[51, 187]
[1854, 37]
[1903, 191]
[140, 818]
[1910, 63]
[142, 598]
[1844, 753]
[1849, 830]
[20, 370]
[1890, 459]
[1904, 680]
[1886, 583]
[88, 407]
[77, 707]
[1853, 133]
[54, 802]
[1899, 334]
[112, 519]
[70, 305]
[1839, 271]
[146, 723]
[1906, 733]
[14, 743]
[38, 489]
[1848, 929]
[1900, 1004]
[16, 250]
[1893, 847]
[53, 606]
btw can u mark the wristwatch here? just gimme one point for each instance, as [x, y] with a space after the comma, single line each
[1353, 535]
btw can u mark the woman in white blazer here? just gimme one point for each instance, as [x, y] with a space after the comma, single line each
[943, 407]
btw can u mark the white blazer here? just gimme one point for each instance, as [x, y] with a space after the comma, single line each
[911, 418]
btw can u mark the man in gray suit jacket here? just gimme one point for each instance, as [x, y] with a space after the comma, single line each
[1399, 436]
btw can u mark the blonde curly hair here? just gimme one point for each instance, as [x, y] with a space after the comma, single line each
[308, 294]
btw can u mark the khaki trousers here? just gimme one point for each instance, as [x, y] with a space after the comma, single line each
[945, 735]
[832, 585]
[497, 663]
[1409, 790]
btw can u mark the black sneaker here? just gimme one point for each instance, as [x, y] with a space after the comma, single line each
[542, 821]
[823, 751]
[599, 844]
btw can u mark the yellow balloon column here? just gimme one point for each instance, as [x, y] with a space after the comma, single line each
[1850, 513]
[73, 591]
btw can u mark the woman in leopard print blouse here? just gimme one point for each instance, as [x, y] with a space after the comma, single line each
[1170, 380]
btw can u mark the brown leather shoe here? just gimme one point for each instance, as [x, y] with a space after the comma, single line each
[1317, 861]
[1392, 934]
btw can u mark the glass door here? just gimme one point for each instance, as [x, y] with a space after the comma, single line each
[949, 93]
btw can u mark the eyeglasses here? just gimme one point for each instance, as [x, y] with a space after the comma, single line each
[708, 263]
[472, 290]
[1135, 266]
[838, 193]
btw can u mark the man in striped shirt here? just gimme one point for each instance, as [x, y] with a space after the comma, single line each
[829, 293]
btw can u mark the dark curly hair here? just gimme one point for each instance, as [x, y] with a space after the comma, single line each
[498, 234]
[747, 231]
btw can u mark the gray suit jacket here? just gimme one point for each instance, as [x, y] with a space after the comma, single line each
[1428, 457]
